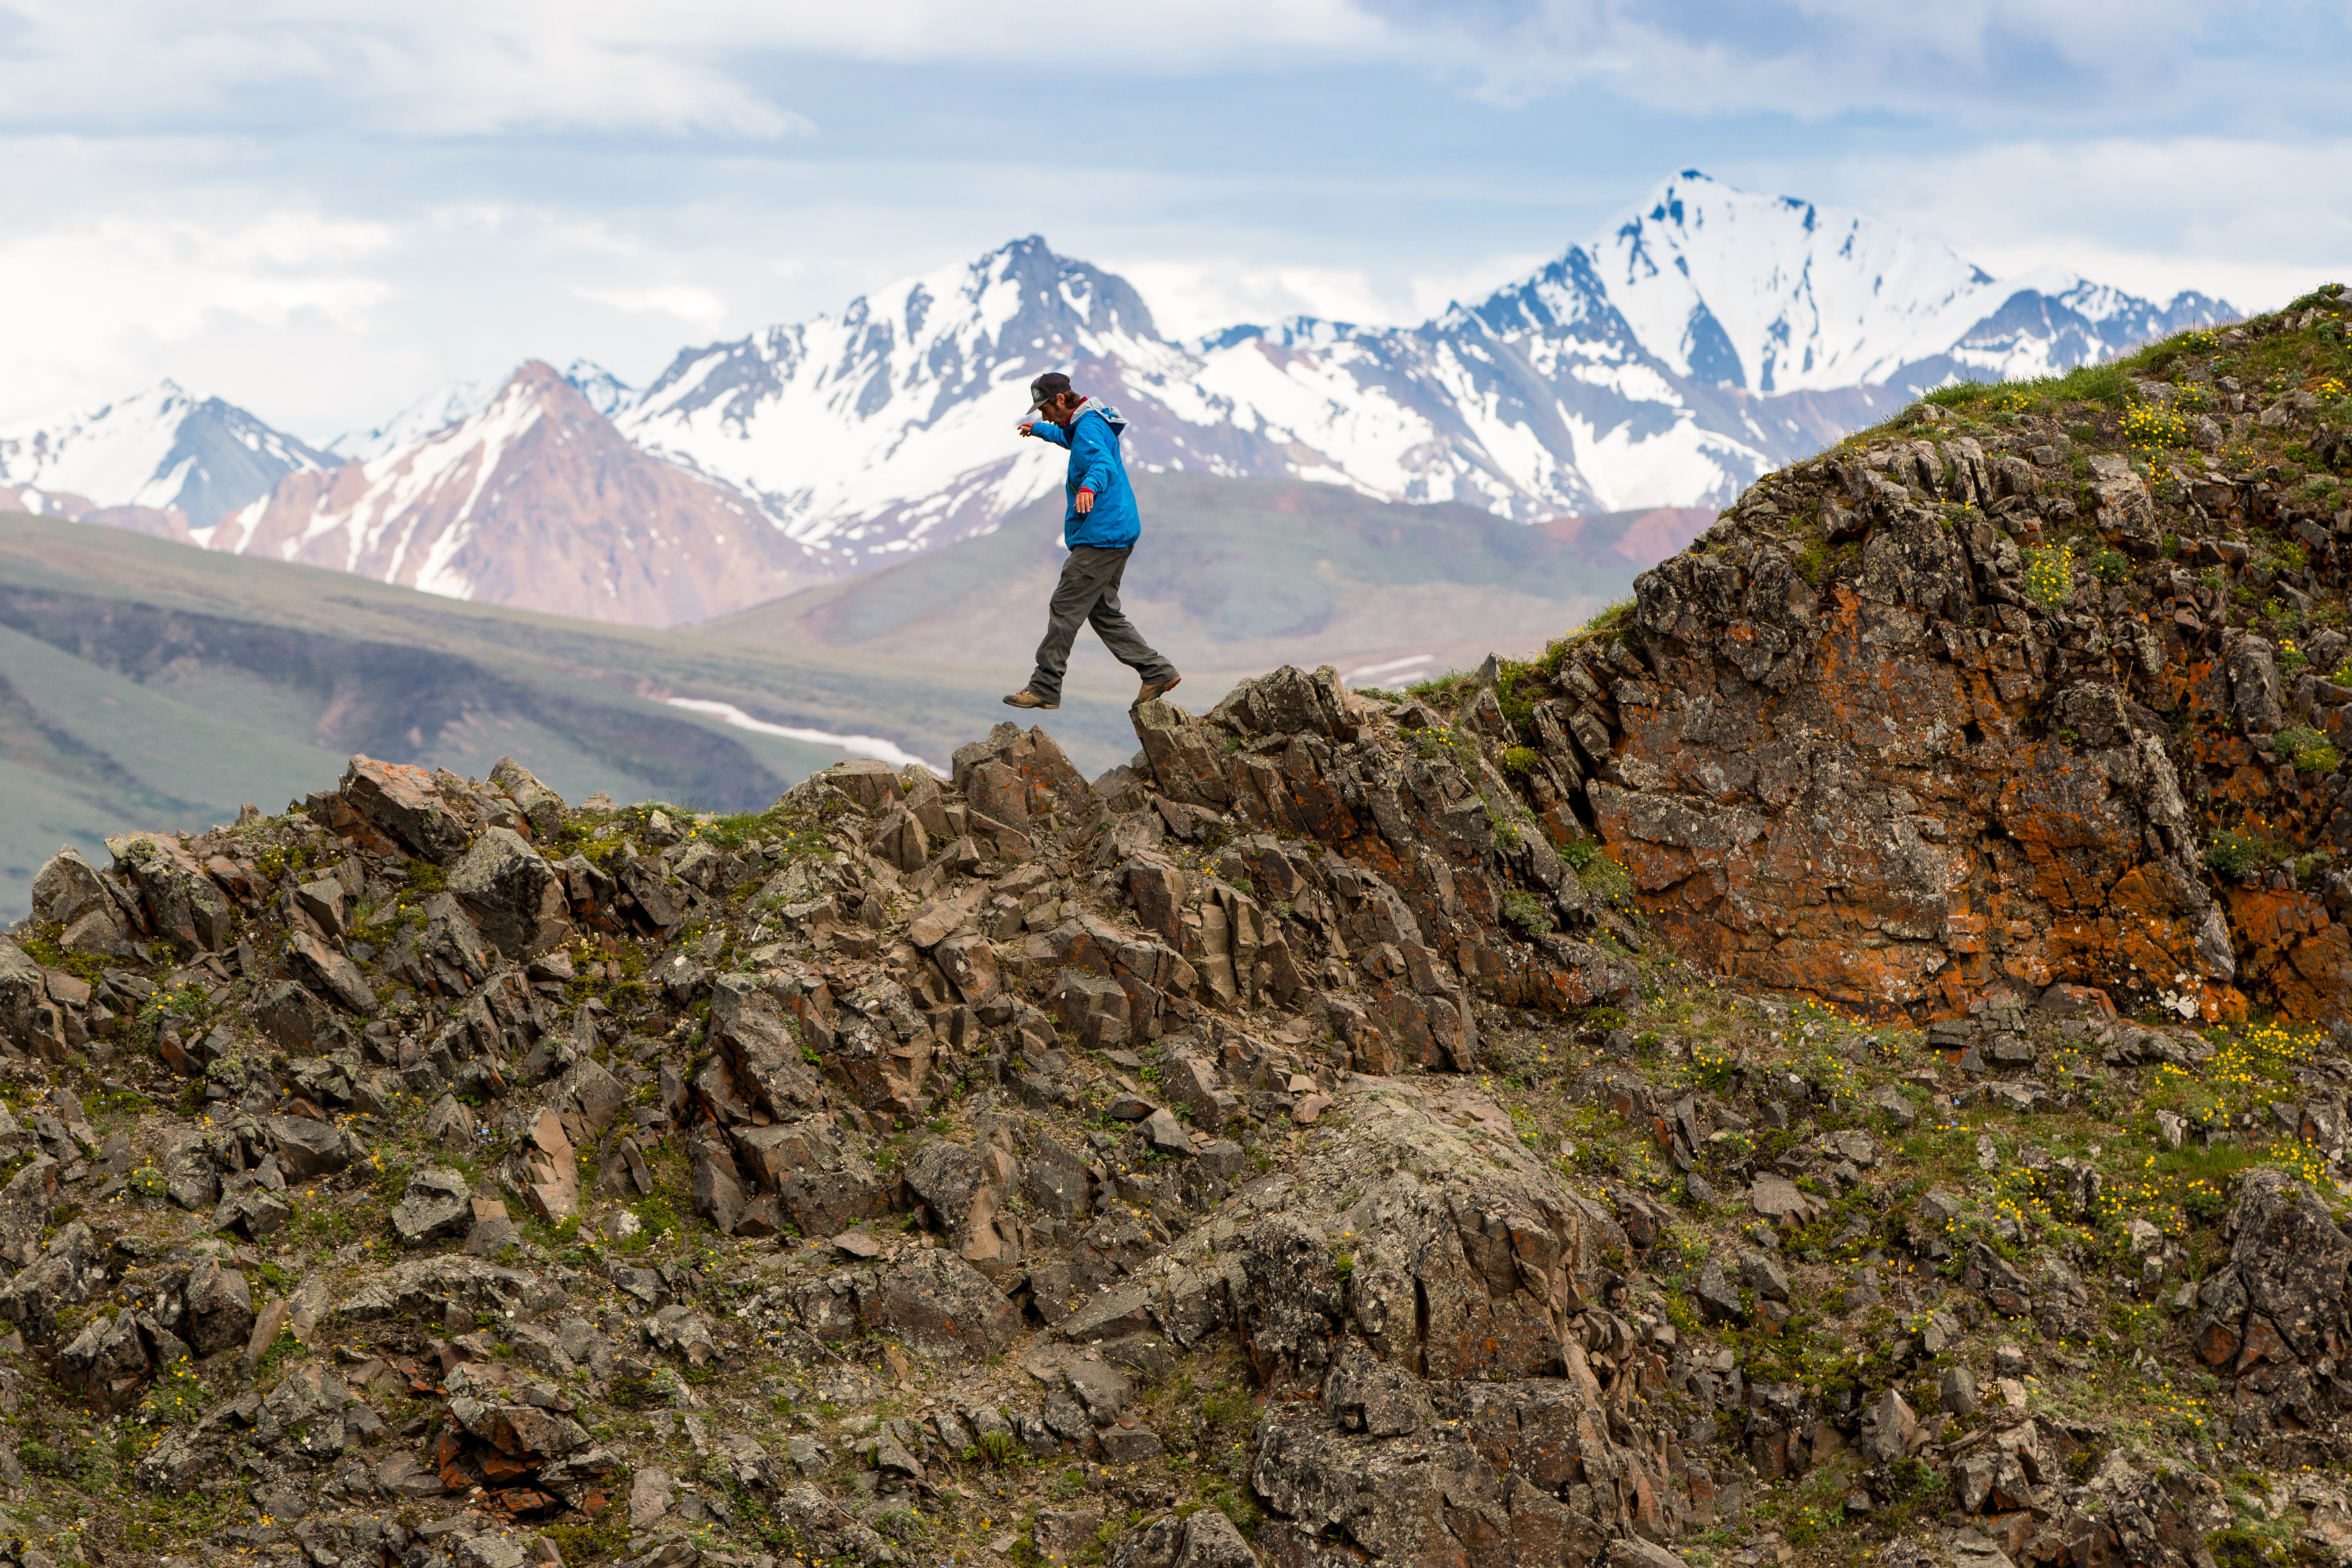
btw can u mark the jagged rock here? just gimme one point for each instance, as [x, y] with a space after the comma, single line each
[513, 894]
[523, 1431]
[438, 1202]
[1206, 1539]
[182, 903]
[1014, 776]
[67, 887]
[682, 1332]
[943, 1178]
[718, 1185]
[551, 1169]
[542, 806]
[651, 1492]
[1888, 1428]
[1096, 1009]
[1719, 1300]
[941, 1306]
[431, 1286]
[449, 1125]
[307, 1149]
[322, 900]
[27, 1202]
[107, 1362]
[24, 992]
[294, 1017]
[173, 1465]
[405, 804]
[332, 972]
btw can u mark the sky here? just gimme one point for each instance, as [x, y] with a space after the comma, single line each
[324, 209]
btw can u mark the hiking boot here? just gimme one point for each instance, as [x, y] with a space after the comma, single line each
[1154, 690]
[1027, 698]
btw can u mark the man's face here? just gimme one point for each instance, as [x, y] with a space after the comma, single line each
[1058, 408]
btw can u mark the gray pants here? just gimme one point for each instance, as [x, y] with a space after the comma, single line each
[1088, 592]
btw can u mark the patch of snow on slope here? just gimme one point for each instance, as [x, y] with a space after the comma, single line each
[855, 745]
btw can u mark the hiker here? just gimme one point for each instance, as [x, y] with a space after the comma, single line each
[1100, 529]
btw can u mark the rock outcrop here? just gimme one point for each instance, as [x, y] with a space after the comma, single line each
[1759, 1080]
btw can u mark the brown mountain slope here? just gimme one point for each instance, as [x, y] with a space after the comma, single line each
[535, 503]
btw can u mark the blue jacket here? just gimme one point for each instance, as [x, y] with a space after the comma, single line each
[1092, 441]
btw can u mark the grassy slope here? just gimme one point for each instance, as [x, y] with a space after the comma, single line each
[150, 685]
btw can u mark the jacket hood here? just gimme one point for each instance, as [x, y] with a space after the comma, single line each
[1111, 416]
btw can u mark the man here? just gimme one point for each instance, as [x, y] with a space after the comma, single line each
[1100, 529]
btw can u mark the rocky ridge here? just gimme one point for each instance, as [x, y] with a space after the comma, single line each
[1362, 1129]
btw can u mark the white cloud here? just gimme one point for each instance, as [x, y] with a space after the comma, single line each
[1198, 295]
[94, 305]
[2117, 210]
[699, 306]
[473, 67]
[1818, 58]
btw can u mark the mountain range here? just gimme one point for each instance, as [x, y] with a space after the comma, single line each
[1706, 336]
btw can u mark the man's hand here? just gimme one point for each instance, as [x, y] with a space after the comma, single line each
[1086, 502]
[1025, 427]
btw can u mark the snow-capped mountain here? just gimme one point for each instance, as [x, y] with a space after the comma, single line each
[889, 427]
[535, 501]
[606, 392]
[160, 449]
[1707, 336]
[453, 403]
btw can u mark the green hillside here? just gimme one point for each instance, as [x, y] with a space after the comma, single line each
[145, 685]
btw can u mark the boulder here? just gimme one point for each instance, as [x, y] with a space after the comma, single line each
[514, 895]
[67, 888]
[438, 1202]
[219, 1308]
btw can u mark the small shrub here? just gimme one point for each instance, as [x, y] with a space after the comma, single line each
[2151, 429]
[998, 1447]
[2050, 575]
[1520, 760]
[2110, 565]
[1526, 911]
[2238, 853]
[2308, 749]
